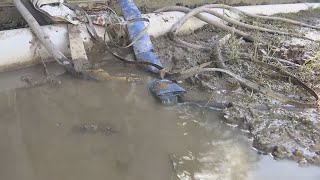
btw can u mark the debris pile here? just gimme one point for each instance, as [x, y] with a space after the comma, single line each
[270, 84]
[247, 74]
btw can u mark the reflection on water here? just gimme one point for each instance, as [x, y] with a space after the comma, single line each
[87, 130]
[222, 153]
[270, 169]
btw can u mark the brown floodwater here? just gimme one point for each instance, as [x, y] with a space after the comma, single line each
[114, 130]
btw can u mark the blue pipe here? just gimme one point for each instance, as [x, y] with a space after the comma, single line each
[166, 91]
[143, 48]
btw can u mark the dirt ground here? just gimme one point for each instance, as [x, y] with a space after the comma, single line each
[11, 19]
[282, 130]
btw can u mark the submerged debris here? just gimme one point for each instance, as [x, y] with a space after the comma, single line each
[91, 128]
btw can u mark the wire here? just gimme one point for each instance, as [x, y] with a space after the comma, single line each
[122, 28]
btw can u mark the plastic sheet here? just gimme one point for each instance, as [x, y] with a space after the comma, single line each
[56, 10]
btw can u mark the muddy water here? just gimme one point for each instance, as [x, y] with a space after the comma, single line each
[87, 130]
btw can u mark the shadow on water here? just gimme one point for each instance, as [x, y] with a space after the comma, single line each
[87, 130]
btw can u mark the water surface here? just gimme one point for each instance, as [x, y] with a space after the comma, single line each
[86, 130]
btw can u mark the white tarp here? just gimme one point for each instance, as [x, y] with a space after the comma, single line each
[56, 10]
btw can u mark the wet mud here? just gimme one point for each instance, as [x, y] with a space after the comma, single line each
[284, 131]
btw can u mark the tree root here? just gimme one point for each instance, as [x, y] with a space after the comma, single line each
[236, 10]
[206, 8]
[195, 12]
[216, 53]
[253, 86]
[283, 61]
[293, 79]
[252, 27]
[285, 20]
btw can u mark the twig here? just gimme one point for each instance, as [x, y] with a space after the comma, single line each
[216, 54]
[44, 65]
[283, 61]
[248, 26]
[272, 18]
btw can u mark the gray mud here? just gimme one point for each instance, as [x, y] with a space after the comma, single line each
[11, 19]
[281, 130]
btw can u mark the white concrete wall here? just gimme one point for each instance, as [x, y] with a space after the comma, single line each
[19, 47]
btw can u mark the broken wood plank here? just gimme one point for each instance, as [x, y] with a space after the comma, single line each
[78, 52]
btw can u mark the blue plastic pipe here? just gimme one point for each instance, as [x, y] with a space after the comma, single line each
[143, 48]
[166, 91]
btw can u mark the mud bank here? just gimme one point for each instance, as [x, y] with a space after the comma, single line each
[278, 129]
[193, 3]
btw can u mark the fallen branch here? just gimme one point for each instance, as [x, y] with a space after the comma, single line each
[283, 61]
[195, 12]
[252, 27]
[216, 53]
[243, 55]
[183, 75]
[286, 74]
[236, 10]
[251, 85]
[268, 17]
[44, 66]
[206, 8]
